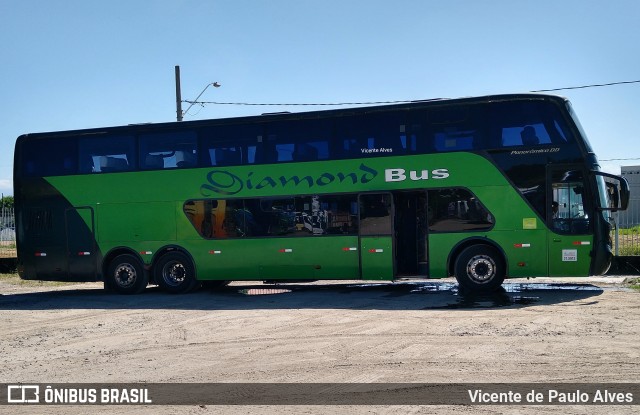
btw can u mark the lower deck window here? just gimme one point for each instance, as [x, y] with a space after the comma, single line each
[457, 210]
[289, 216]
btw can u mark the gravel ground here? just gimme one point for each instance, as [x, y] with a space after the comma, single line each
[416, 331]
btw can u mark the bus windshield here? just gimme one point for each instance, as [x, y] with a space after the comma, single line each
[585, 140]
[604, 197]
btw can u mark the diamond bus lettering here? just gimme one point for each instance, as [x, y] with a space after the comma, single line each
[223, 182]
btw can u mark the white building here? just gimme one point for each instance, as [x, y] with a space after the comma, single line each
[631, 217]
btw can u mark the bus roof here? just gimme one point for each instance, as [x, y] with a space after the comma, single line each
[283, 116]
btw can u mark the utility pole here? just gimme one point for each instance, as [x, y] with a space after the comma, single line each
[179, 112]
[178, 95]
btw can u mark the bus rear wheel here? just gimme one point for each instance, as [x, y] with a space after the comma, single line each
[126, 275]
[480, 268]
[175, 273]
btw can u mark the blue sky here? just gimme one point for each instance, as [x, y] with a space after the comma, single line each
[69, 64]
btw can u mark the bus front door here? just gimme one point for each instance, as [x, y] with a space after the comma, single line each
[376, 236]
[81, 245]
[570, 238]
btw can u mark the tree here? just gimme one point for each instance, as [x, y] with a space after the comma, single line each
[6, 212]
[6, 202]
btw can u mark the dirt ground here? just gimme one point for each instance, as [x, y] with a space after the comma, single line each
[578, 331]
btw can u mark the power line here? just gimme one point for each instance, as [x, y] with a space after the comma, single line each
[403, 101]
[303, 104]
[633, 158]
[587, 86]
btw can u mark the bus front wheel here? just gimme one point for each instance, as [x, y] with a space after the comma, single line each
[480, 268]
[126, 275]
[175, 273]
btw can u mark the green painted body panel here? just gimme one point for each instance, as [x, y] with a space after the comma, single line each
[569, 255]
[377, 257]
[144, 211]
[275, 258]
[337, 176]
[149, 221]
[524, 259]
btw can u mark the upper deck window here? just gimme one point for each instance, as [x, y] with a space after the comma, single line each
[450, 128]
[512, 127]
[372, 135]
[98, 155]
[168, 150]
[526, 124]
[298, 140]
[50, 157]
[231, 145]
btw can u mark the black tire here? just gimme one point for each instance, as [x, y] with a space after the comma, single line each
[175, 273]
[480, 268]
[126, 275]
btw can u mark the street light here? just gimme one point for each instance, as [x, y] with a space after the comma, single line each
[180, 114]
[215, 85]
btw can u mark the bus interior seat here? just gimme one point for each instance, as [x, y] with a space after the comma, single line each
[153, 161]
[305, 152]
[110, 164]
[271, 154]
[185, 159]
[207, 226]
[352, 147]
[227, 157]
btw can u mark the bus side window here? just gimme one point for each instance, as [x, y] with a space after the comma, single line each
[418, 132]
[168, 150]
[297, 140]
[225, 156]
[456, 129]
[457, 210]
[113, 164]
[283, 152]
[569, 214]
[525, 135]
[453, 140]
[231, 145]
[311, 151]
[154, 161]
[185, 158]
[100, 155]
[526, 124]
[373, 135]
[50, 157]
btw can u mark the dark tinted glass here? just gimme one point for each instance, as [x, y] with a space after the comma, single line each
[231, 145]
[50, 157]
[298, 140]
[516, 133]
[372, 135]
[375, 214]
[299, 216]
[457, 210]
[526, 124]
[569, 210]
[98, 155]
[168, 150]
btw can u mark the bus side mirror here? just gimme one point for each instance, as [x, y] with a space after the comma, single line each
[624, 193]
[617, 188]
[614, 196]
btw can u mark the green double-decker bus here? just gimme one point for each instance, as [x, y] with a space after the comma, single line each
[483, 188]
